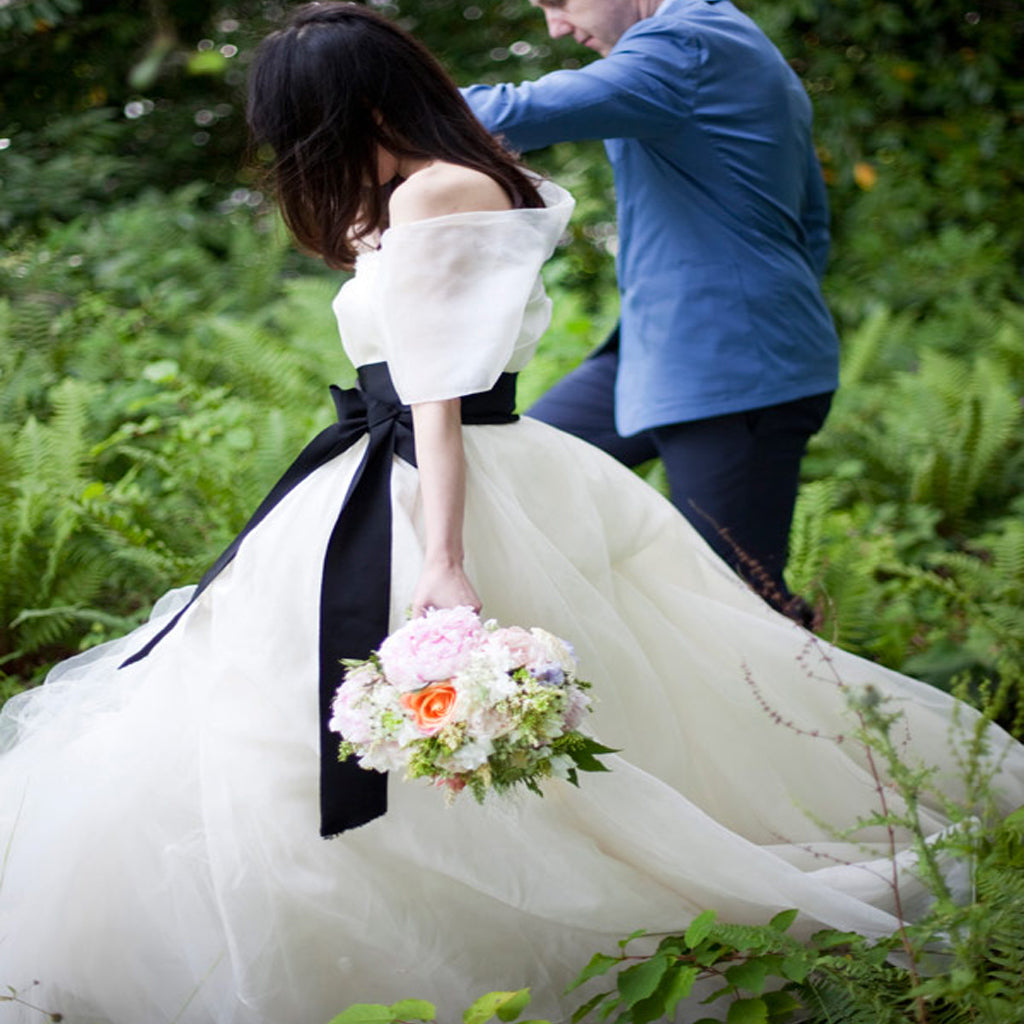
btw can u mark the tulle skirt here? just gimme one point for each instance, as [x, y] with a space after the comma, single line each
[159, 824]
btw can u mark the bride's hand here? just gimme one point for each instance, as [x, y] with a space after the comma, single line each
[443, 586]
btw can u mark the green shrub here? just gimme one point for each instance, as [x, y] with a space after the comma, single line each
[157, 373]
[908, 531]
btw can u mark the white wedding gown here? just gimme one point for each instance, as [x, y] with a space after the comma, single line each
[159, 850]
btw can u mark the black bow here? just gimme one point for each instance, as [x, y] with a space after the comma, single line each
[354, 618]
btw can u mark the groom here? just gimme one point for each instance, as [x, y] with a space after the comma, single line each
[725, 357]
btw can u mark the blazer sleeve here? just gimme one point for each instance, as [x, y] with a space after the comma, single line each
[814, 214]
[640, 90]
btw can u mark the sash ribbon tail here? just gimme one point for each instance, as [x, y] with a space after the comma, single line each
[355, 594]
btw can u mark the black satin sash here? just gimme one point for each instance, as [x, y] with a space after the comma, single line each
[355, 594]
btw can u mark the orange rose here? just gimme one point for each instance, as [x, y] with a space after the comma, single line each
[431, 707]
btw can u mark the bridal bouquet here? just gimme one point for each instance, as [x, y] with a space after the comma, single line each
[467, 703]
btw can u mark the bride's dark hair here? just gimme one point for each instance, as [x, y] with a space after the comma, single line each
[330, 87]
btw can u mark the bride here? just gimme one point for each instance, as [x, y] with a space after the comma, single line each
[163, 797]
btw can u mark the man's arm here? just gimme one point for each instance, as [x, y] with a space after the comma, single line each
[814, 215]
[641, 89]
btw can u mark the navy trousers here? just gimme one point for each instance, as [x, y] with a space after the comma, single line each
[734, 477]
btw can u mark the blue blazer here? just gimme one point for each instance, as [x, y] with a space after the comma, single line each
[723, 218]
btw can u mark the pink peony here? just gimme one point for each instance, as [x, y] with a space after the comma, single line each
[347, 718]
[521, 646]
[431, 648]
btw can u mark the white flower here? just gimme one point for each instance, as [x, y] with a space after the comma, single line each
[469, 756]
[561, 764]
[557, 650]
[381, 712]
[488, 723]
[383, 757]
[577, 706]
[485, 677]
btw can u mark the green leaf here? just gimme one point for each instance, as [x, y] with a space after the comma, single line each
[413, 1009]
[797, 966]
[781, 1005]
[600, 963]
[747, 1011]
[783, 920]
[365, 1013]
[708, 953]
[640, 981]
[511, 1009]
[700, 928]
[675, 986]
[623, 943]
[750, 975]
[591, 745]
[682, 984]
[1014, 820]
[829, 938]
[584, 754]
[772, 963]
[505, 1005]
[581, 1011]
[672, 944]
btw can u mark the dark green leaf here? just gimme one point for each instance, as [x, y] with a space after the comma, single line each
[676, 986]
[581, 1011]
[594, 747]
[781, 1006]
[585, 755]
[750, 975]
[640, 980]
[673, 944]
[747, 1011]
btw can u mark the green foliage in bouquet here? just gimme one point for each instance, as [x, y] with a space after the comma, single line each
[508, 768]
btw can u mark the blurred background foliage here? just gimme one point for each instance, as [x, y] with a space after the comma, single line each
[163, 352]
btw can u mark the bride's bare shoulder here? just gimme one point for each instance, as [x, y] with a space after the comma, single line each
[444, 188]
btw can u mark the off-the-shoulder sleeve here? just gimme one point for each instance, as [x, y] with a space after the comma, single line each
[453, 293]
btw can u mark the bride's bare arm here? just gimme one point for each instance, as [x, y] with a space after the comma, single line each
[434, 191]
[442, 471]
